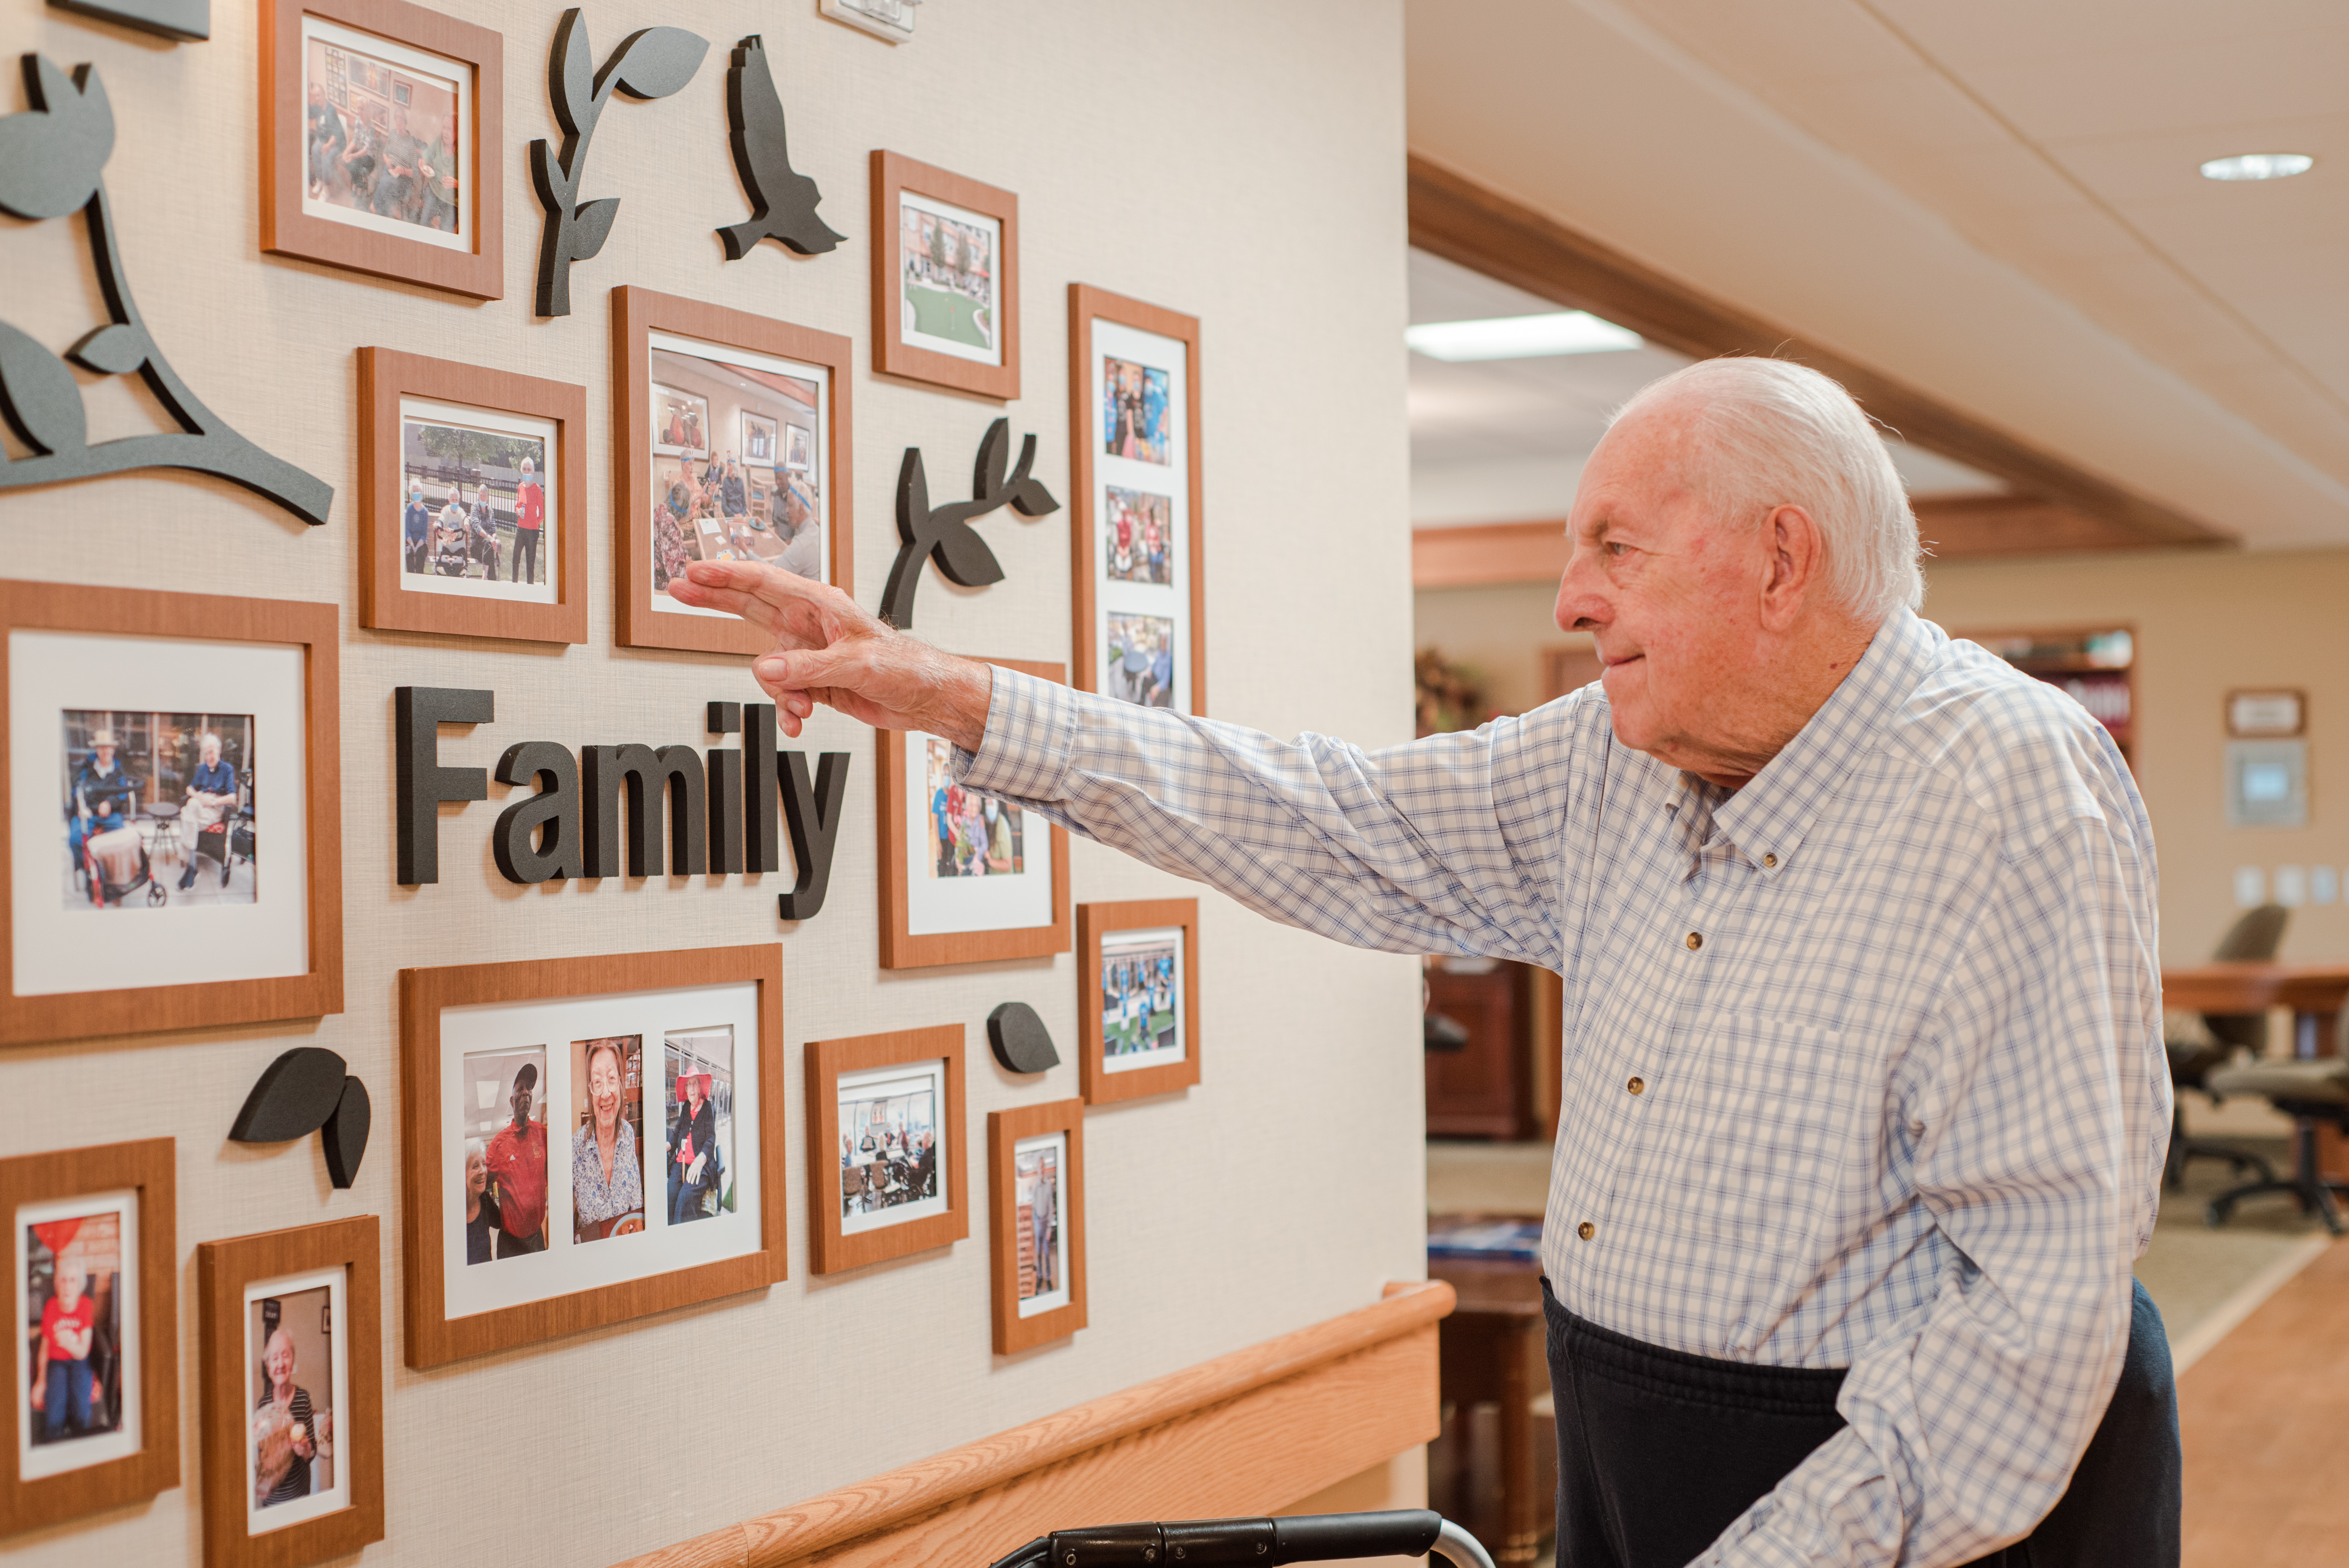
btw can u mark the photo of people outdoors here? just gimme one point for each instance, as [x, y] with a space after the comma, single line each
[73, 1321]
[1141, 996]
[472, 502]
[976, 835]
[948, 286]
[1134, 400]
[1139, 654]
[1035, 1169]
[727, 506]
[699, 1070]
[1140, 546]
[503, 1160]
[889, 1144]
[290, 1378]
[607, 1175]
[158, 809]
[381, 139]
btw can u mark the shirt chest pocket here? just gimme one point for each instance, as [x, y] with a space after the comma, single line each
[1771, 1107]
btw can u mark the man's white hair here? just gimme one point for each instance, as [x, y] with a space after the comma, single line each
[1771, 434]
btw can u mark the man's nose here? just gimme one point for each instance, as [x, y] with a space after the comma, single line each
[1582, 606]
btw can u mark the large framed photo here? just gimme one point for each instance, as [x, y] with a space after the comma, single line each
[965, 878]
[97, 1343]
[1134, 413]
[382, 142]
[172, 791]
[292, 1346]
[884, 1146]
[1036, 1166]
[946, 278]
[587, 1140]
[1137, 998]
[472, 485]
[732, 443]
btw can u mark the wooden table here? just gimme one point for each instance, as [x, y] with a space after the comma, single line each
[1492, 1352]
[2314, 993]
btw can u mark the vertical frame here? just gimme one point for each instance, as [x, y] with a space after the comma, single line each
[827, 1060]
[1098, 1085]
[894, 176]
[1005, 1130]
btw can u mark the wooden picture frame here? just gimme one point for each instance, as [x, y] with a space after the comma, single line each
[831, 1245]
[637, 314]
[112, 1008]
[1098, 1084]
[225, 1270]
[145, 1168]
[895, 177]
[1088, 306]
[1006, 1131]
[901, 946]
[433, 1336]
[387, 602]
[364, 242]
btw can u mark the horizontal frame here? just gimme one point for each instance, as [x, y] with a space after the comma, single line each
[434, 1339]
[1098, 1085]
[830, 1248]
[894, 172]
[1005, 1128]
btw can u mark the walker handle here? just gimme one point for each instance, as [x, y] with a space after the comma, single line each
[1254, 1543]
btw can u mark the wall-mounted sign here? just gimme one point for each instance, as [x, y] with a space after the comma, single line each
[2266, 783]
[2266, 714]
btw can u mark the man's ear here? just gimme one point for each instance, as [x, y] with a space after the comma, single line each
[1797, 560]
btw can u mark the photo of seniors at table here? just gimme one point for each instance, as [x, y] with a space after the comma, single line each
[699, 1070]
[889, 1153]
[1140, 659]
[158, 809]
[737, 472]
[608, 1171]
[474, 500]
[382, 138]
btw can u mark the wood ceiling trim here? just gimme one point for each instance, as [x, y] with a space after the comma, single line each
[1487, 555]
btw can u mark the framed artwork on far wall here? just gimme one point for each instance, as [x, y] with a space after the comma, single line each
[292, 1358]
[945, 279]
[696, 388]
[1036, 1215]
[1137, 998]
[172, 791]
[587, 1140]
[472, 492]
[885, 1130]
[382, 142]
[965, 878]
[95, 1262]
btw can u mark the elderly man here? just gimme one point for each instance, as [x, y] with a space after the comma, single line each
[211, 795]
[1862, 1103]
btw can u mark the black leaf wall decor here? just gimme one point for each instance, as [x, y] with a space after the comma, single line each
[650, 63]
[51, 159]
[1019, 1039]
[782, 200]
[945, 532]
[189, 21]
[303, 1091]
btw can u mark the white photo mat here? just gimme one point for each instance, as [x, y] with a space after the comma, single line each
[1119, 945]
[942, 905]
[416, 62]
[1172, 600]
[35, 1462]
[885, 1083]
[1057, 1144]
[993, 229]
[550, 557]
[336, 1280]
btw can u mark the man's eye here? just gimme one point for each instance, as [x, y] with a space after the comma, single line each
[1615, 551]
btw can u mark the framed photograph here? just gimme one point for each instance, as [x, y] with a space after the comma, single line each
[472, 486]
[965, 878]
[684, 375]
[587, 1140]
[1137, 998]
[1141, 600]
[97, 1341]
[382, 142]
[153, 741]
[891, 21]
[292, 1345]
[945, 279]
[1036, 1166]
[884, 1146]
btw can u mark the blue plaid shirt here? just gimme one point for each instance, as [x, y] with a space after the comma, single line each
[1894, 1009]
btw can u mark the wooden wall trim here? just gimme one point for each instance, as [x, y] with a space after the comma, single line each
[1454, 217]
[1245, 1433]
[1487, 555]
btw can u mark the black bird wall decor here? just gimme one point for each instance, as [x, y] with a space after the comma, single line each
[307, 1090]
[945, 532]
[782, 200]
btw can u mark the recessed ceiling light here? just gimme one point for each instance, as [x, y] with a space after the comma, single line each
[2258, 166]
[1519, 336]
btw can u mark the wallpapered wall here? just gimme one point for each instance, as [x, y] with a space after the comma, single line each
[1234, 161]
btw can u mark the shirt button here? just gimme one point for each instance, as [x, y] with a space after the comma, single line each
[1586, 1230]
[1636, 1084]
[1769, 860]
[1695, 940]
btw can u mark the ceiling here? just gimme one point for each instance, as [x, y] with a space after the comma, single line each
[1997, 202]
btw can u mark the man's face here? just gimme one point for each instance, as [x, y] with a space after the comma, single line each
[105, 756]
[521, 1103]
[211, 750]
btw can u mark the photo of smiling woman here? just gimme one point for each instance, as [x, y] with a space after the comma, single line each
[607, 1181]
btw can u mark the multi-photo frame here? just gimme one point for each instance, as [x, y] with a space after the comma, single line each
[1137, 998]
[1036, 1169]
[885, 1159]
[946, 278]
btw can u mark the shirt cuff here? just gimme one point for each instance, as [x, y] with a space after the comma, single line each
[1031, 732]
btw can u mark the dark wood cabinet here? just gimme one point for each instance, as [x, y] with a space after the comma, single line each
[1485, 1089]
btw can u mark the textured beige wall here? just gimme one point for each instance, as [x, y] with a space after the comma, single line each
[1239, 161]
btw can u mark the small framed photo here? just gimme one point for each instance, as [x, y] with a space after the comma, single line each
[1036, 1164]
[98, 1344]
[1138, 998]
[945, 279]
[1140, 601]
[884, 1146]
[382, 139]
[732, 444]
[891, 21]
[293, 1389]
[472, 485]
[153, 741]
[965, 878]
[589, 1140]
[2275, 714]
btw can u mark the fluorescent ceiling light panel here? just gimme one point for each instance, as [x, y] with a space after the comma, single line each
[1519, 336]
[2258, 166]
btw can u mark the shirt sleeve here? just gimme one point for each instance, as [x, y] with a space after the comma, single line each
[1449, 844]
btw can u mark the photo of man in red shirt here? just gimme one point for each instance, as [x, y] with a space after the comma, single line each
[517, 1161]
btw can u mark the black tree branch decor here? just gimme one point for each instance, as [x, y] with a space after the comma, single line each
[945, 532]
[650, 63]
[784, 201]
[51, 159]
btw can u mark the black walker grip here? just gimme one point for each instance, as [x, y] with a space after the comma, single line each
[1334, 1537]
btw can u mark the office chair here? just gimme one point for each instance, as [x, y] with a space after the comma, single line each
[2309, 1092]
[2253, 938]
